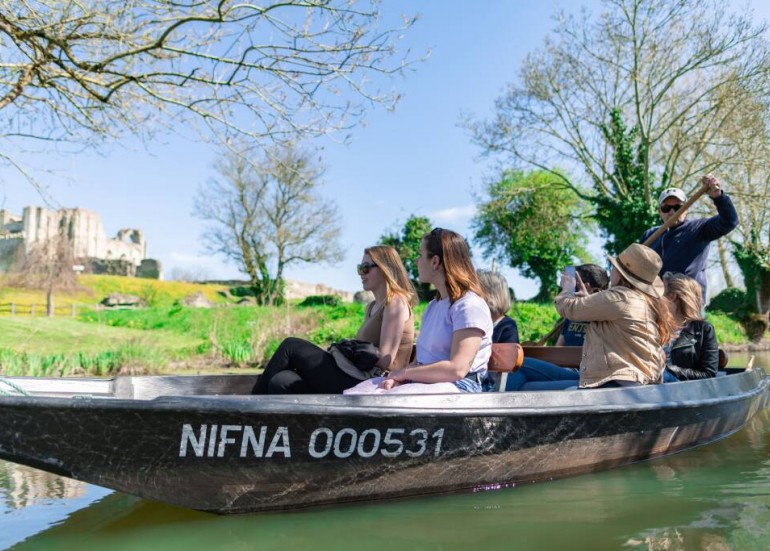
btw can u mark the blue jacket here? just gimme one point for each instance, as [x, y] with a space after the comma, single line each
[685, 248]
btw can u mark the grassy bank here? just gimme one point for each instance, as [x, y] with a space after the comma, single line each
[168, 337]
[163, 340]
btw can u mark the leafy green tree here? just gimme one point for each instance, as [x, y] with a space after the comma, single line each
[649, 83]
[631, 196]
[407, 242]
[534, 223]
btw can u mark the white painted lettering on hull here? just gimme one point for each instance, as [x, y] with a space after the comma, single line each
[211, 440]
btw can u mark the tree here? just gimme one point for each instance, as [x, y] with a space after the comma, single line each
[747, 143]
[80, 72]
[47, 265]
[266, 215]
[407, 244]
[534, 223]
[658, 77]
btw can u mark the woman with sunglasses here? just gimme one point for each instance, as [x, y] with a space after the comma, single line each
[300, 367]
[693, 351]
[455, 340]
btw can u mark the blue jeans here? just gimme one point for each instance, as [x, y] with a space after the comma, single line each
[540, 375]
[669, 377]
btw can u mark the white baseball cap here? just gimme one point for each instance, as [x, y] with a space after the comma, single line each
[672, 192]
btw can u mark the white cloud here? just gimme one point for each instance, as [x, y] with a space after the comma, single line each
[453, 215]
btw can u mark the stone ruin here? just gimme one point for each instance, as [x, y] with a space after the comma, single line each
[125, 254]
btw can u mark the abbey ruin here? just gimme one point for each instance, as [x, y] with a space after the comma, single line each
[125, 254]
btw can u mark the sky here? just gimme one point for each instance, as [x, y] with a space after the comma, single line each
[415, 160]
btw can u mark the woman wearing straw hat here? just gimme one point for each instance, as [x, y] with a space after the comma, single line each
[629, 325]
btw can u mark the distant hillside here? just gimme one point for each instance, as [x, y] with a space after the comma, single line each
[94, 288]
[152, 291]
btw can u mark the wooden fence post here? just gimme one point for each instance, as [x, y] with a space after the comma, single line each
[13, 309]
[32, 309]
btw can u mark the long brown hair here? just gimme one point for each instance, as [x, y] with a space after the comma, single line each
[396, 279]
[455, 255]
[663, 318]
[689, 293]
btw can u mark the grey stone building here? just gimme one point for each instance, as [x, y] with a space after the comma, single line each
[124, 254]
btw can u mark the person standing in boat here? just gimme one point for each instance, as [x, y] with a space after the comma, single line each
[455, 340]
[628, 326]
[300, 367]
[684, 247]
[693, 351]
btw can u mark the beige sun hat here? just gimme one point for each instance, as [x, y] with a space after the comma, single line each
[640, 266]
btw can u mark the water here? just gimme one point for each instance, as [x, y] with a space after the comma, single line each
[715, 497]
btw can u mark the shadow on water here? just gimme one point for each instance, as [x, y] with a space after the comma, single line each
[715, 497]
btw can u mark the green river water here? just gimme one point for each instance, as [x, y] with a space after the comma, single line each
[716, 497]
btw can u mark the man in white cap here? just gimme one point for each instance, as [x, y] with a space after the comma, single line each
[684, 247]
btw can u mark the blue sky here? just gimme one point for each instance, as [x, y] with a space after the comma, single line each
[414, 160]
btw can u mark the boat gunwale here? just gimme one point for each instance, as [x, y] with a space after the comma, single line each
[339, 405]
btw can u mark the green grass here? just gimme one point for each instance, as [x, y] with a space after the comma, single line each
[160, 339]
[94, 288]
[67, 336]
[534, 320]
[61, 346]
[728, 330]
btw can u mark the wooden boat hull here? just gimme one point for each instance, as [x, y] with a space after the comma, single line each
[161, 438]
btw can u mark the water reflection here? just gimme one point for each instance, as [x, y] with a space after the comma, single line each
[716, 497]
[22, 486]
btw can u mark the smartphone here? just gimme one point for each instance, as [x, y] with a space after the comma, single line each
[570, 271]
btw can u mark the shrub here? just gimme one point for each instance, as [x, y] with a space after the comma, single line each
[321, 300]
[729, 301]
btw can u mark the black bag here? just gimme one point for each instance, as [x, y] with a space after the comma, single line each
[356, 358]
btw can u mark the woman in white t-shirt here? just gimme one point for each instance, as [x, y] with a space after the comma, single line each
[455, 339]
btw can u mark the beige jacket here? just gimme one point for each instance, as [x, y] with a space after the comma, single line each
[621, 341]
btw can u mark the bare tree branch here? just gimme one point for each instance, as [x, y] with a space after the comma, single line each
[86, 70]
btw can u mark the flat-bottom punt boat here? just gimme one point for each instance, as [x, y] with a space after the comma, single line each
[202, 442]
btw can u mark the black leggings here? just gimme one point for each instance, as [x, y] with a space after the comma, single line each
[300, 367]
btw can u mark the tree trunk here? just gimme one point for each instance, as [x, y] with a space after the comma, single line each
[49, 306]
[724, 263]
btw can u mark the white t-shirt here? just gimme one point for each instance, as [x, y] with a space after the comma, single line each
[440, 320]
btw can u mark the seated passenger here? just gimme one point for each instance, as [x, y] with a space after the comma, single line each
[498, 298]
[455, 340]
[594, 279]
[629, 324]
[300, 367]
[693, 352]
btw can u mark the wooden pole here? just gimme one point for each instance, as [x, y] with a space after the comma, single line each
[671, 221]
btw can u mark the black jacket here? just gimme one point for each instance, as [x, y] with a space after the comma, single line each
[505, 331]
[695, 353]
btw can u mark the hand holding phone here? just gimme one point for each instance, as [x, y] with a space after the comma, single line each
[568, 279]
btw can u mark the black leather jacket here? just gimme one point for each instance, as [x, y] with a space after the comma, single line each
[695, 353]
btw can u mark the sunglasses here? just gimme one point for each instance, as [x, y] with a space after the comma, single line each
[669, 208]
[364, 268]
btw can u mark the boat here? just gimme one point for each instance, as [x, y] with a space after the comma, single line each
[204, 443]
